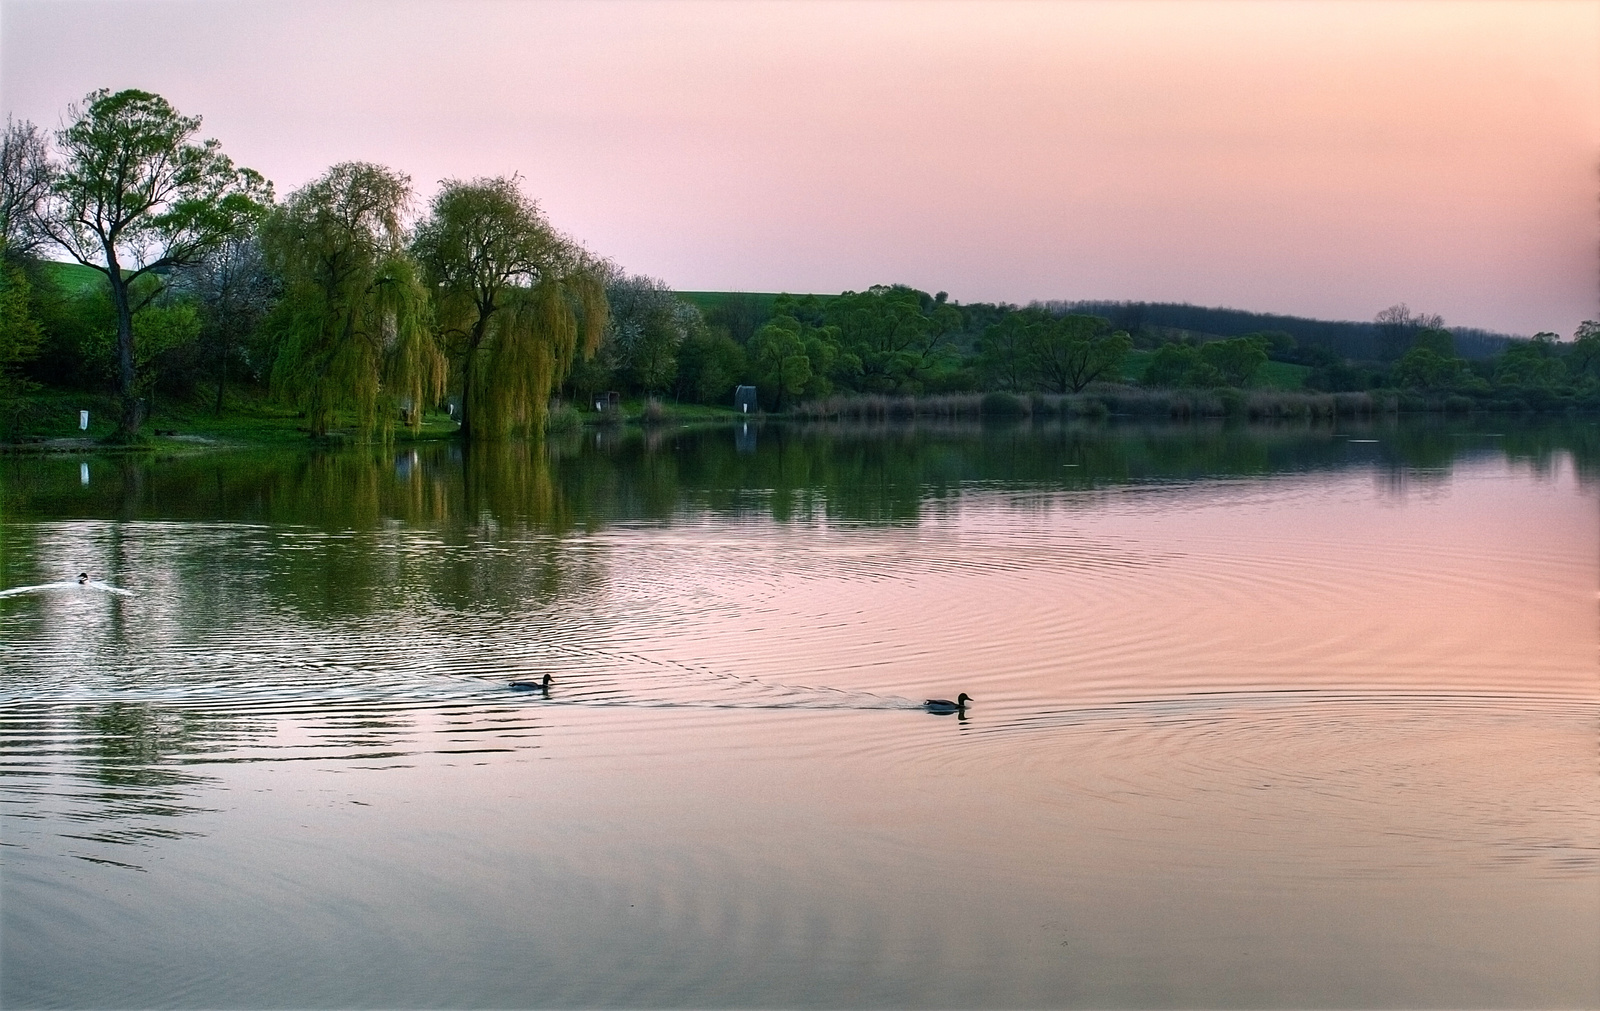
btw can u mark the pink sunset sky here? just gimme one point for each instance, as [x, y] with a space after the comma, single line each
[1322, 159]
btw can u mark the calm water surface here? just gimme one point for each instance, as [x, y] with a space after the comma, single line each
[1265, 717]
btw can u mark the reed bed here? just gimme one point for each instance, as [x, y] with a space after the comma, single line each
[655, 412]
[884, 407]
[1100, 402]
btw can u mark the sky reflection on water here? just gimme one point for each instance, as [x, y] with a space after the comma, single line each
[1264, 718]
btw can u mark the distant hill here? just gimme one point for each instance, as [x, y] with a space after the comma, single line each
[1168, 320]
[1348, 339]
[744, 310]
[708, 301]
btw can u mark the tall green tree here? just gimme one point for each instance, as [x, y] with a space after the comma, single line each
[1005, 351]
[516, 301]
[1423, 368]
[354, 327]
[1535, 362]
[20, 337]
[739, 314]
[1071, 352]
[1171, 365]
[710, 363]
[901, 336]
[1237, 359]
[787, 362]
[1584, 356]
[135, 194]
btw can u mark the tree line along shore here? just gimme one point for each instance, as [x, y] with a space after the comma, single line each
[148, 279]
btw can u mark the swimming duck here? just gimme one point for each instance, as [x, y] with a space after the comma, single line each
[532, 686]
[945, 706]
[83, 578]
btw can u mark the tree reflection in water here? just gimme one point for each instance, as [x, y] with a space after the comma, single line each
[363, 540]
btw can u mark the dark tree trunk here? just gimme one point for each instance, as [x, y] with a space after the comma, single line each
[469, 378]
[468, 401]
[127, 380]
[222, 368]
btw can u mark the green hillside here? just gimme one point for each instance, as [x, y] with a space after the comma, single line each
[73, 278]
[710, 301]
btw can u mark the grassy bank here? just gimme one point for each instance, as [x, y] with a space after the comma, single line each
[49, 420]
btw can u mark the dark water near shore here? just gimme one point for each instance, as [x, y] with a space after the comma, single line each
[1292, 716]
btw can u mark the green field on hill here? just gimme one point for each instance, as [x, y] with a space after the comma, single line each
[73, 278]
[709, 301]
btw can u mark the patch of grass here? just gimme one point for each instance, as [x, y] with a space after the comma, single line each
[73, 278]
[1282, 376]
[53, 414]
[706, 301]
[248, 418]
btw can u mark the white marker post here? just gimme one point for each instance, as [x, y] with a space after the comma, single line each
[83, 421]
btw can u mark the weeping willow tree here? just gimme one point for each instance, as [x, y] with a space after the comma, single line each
[516, 301]
[355, 330]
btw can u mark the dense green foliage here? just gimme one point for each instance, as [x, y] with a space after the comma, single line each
[20, 338]
[190, 281]
[134, 194]
[353, 329]
[516, 302]
[1153, 323]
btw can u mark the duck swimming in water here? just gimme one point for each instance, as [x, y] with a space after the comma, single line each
[944, 707]
[83, 580]
[532, 686]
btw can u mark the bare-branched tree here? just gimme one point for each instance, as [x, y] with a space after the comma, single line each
[24, 185]
[234, 290]
[1398, 326]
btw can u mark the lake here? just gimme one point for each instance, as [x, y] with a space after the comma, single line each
[1298, 716]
